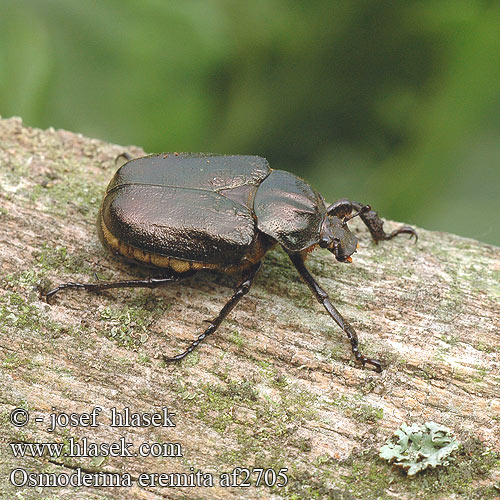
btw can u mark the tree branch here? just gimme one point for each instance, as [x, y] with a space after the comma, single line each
[276, 385]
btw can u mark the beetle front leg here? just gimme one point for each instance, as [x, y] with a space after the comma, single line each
[242, 288]
[375, 224]
[323, 299]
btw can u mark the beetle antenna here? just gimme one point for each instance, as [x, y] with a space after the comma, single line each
[362, 210]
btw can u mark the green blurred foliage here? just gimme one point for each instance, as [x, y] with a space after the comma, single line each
[392, 103]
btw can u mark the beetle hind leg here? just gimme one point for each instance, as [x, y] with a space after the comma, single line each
[242, 288]
[106, 285]
[376, 225]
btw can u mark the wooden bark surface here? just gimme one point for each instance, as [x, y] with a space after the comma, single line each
[275, 386]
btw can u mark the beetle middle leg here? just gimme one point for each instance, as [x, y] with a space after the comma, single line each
[242, 288]
[323, 299]
[122, 158]
[106, 285]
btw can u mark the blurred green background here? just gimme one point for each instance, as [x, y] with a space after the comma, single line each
[396, 104]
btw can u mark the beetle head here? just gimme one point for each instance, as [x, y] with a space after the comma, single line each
[335, 235]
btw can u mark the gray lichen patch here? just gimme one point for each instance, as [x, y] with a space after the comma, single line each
[418, 447]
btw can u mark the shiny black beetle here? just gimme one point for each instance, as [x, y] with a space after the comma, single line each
[185, 212]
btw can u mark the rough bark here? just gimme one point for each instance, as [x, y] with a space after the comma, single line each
[275, 386]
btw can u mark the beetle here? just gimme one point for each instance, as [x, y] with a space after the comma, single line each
[185, 212]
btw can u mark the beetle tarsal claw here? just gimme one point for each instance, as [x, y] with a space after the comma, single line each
[377, 365]
[404, 230]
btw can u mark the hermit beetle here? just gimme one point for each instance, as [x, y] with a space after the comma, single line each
[186, 212]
